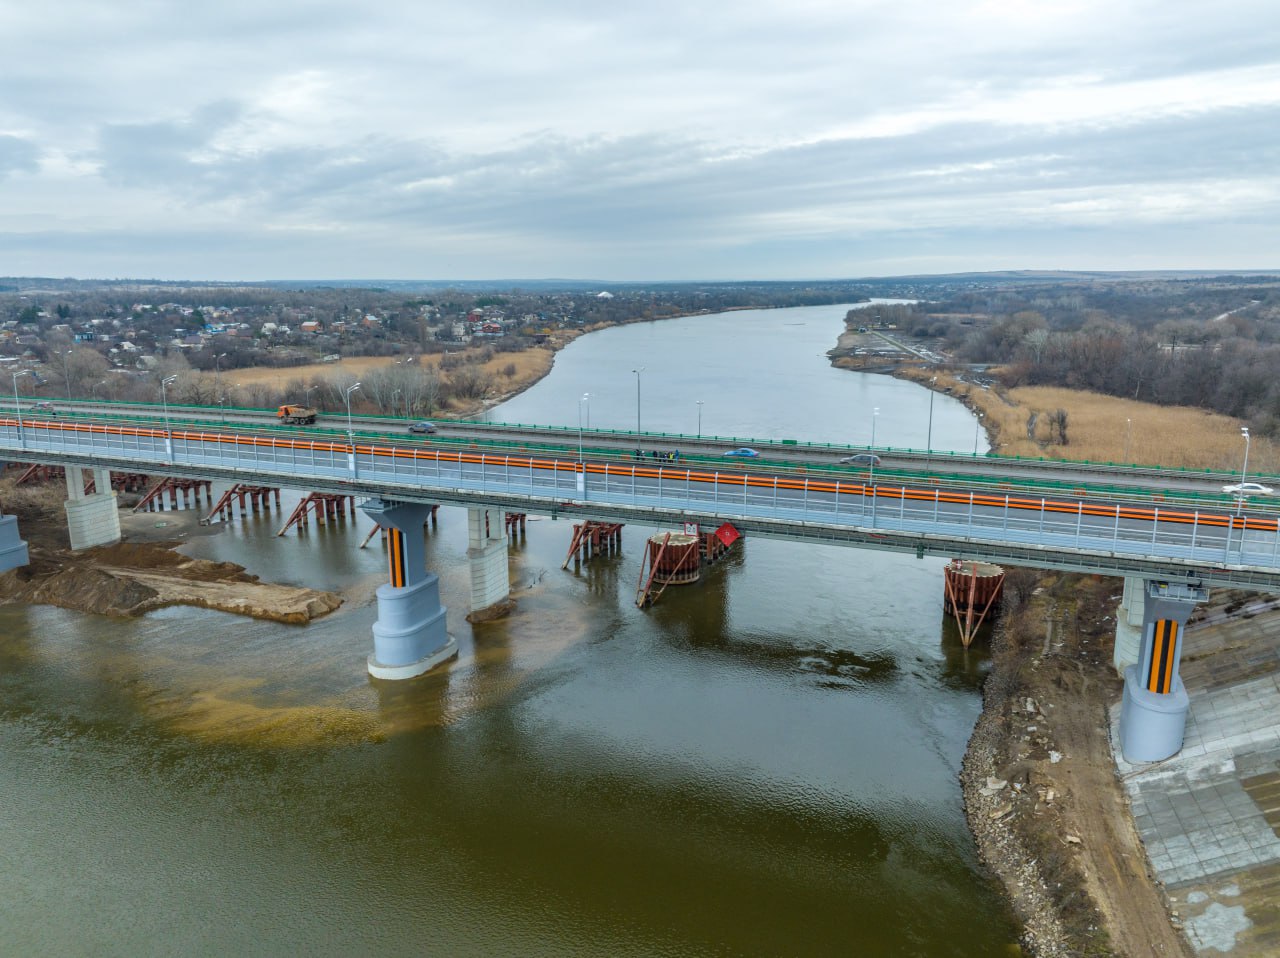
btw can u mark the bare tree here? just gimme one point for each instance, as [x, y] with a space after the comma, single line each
[1058, 426]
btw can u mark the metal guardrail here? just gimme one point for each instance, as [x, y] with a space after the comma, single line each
[1212, 546]
[1052, 482]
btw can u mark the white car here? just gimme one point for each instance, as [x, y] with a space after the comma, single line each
[1249, 489]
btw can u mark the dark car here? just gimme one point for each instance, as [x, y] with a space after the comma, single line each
[422, 428]
[862, 459]
[43, 407]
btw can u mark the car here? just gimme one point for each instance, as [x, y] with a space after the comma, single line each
[43, 407]
[423, 428]
[743, 453]
[862, 459]
[1249, 489]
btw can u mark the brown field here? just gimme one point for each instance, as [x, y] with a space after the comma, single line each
[531, 365]
[1104, 428]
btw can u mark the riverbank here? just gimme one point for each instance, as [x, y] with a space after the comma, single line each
[141, 573]
[1046, 808]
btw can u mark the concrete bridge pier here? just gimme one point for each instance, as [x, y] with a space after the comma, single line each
[1129, 632]
[410, 636]
[13, 550]
[1153, 713]
[91, 520]
[487, 556]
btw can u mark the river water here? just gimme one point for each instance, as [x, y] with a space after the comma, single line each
[762, 764]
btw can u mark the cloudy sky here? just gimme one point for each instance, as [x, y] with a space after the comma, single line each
[418, 139]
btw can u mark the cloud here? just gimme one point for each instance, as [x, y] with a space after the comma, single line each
[17, 155]
[656, 138]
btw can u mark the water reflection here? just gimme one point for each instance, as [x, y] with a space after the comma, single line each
[762, 764]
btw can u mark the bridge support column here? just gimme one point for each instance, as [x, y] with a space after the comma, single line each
[1153, 713]
[1129, 632]
[91, 520]
[487, 555]
[410, 636]
[13, 551]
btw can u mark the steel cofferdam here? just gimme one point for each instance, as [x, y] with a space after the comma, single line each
[1212, 547]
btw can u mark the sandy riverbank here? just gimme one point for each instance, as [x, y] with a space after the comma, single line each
[142, 572]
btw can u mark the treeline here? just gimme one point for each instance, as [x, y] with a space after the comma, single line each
[1208, 345]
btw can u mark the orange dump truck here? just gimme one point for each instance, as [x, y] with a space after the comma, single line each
[296, 415]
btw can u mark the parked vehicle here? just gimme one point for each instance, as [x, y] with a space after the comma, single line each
[423, 428]
[296, 415]
[46, 407]
[862, 459]
[1249, 489]
[743, 453]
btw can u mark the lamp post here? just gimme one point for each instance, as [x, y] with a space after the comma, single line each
[976, 423]
[164, 401]
[351, 435]
[66, 371]
[586, 398]
[217, 373]
[17, 406]
[929, 437]
[93, 390]
[1128, 434]
[699, 402]
[875, 414]
[638, 372]
[1244, 470]
[394, 394]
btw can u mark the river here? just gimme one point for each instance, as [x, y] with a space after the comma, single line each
[762, 764]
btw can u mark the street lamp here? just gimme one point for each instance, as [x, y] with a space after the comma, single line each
[217, 373]
[1128, 434]
[976, 423]
[17, 406]
[875, 414]
[580, 402]
[93, 390]
[1244, 470]
[66, 371]
[351, 435]
[394, 394]
[638, 372]
[586, 398]
[699, 402]
[164, 401]
[929, 437]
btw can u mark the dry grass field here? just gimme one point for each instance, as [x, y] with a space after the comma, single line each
[1108, 429]
[530, 366]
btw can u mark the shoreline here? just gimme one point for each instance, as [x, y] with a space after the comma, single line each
[1000, 820]
[1048, 814]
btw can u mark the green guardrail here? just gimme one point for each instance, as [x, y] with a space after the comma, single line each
[567, 445]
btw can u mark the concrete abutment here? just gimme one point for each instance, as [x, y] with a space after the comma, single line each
[92, 520]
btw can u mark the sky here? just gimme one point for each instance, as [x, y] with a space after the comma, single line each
[496, 139]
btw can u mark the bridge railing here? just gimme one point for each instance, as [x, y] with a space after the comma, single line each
[337, 425]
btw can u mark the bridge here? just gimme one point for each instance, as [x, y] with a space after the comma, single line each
[1171, 535]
